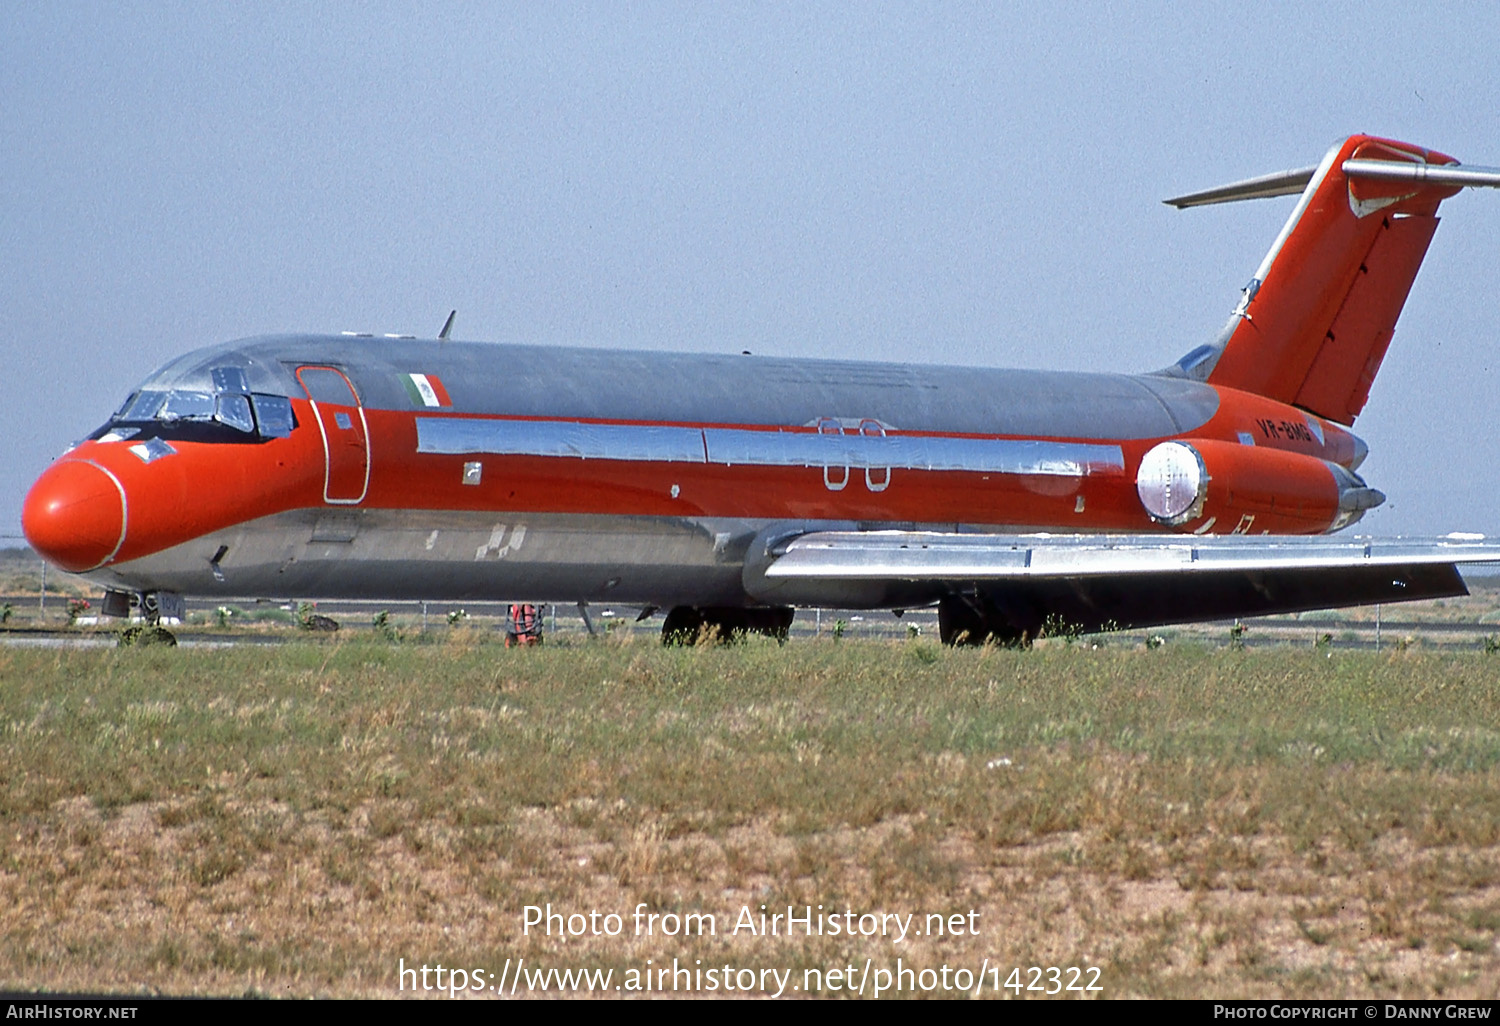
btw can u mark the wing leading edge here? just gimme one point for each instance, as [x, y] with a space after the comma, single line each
[1008, 586]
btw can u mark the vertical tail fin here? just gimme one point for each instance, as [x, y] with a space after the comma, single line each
[1314, 323]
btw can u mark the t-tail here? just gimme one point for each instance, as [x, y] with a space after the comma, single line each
[1314, 323]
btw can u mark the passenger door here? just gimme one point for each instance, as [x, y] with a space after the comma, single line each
[346, 436]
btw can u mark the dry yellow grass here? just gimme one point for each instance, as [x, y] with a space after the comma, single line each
[1191, 822]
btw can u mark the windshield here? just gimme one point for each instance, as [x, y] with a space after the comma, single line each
[231, 413]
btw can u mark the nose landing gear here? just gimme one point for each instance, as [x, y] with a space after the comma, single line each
[156, 607]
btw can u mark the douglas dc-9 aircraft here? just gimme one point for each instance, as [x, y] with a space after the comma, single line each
[730, 489]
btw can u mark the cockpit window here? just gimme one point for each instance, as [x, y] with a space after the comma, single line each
[231, 413]
[186, 406]
[142, 406]
[274, 415]
[231, 380]
[234, 410]
[129, 399]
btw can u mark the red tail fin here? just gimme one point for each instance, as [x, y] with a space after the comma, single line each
[1315, 322]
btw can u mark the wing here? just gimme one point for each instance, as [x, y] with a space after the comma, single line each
[1096, 582]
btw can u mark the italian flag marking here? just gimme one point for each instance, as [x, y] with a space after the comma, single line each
[426, 390]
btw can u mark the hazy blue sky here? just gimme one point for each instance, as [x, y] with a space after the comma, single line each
[931, 183]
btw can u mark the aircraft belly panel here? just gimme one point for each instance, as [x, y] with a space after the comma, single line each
[455, 555]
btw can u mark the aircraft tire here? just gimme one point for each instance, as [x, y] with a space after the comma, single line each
[681, 626]
[974, 620]
[959, 623]
[684, 624]
[138, 636]
[775, 622]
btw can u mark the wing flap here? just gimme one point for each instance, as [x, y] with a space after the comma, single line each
[939, 556]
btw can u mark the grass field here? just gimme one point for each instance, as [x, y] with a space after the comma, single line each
[1193, 822]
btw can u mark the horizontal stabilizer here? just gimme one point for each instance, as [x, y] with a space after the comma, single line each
[1292, 183]
[1282, 183]
[1453, 175]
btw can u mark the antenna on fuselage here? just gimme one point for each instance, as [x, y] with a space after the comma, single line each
[447, 327]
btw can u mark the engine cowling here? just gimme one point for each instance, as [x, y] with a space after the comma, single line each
[1204, 486]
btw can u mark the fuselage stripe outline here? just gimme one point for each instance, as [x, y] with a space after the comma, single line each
[766, 448]
[124, 515]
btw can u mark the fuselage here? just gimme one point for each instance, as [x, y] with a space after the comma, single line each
[339, 466]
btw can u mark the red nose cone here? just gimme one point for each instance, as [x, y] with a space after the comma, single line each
[75, 515]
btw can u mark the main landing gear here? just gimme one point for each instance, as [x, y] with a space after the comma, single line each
[975, 620]
[685, 625]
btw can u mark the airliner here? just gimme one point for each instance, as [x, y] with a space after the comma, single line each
[728, 490]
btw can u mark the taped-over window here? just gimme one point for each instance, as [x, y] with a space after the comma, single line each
[273, 414]
[230, 379]
[142, 407]
[192, 416]
[234, 410]
[187, 406]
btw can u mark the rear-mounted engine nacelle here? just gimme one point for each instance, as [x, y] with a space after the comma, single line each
[1226, 487]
